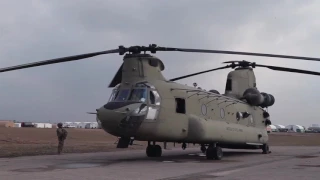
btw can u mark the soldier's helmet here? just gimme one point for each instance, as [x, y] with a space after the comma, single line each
[60, 125]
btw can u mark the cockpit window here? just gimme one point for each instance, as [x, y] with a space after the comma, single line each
[154, 97]
[138, 95]
[113, 95]
[122, 95]
[141, 85]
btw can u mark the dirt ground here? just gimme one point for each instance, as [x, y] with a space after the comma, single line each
[34, 141]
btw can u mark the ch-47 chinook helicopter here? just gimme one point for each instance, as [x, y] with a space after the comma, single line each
[147, 106]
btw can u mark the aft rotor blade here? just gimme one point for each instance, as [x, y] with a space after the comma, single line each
[194, 74]
[58, 60]
[276, 68]
[237, 53]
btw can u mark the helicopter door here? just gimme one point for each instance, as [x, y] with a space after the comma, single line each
[154, 105]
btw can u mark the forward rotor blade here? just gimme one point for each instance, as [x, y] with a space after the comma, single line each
[194, 74]
[117, 78]
[91, 113]
[276, 68]
[236, 52]
[58, 60]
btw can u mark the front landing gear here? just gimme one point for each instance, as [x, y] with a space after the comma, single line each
[214, 152]
[265, 149]
[154, 151]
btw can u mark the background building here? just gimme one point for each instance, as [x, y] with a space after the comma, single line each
[295, 128]
[6, 123]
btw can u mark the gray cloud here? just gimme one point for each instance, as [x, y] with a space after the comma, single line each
[43, 30]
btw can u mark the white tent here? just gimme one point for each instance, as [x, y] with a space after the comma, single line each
[47, 125]
[279, 126]
[273, 128]
[66, 124]
[99, 123]
[295, 128]
[92, 125]
[18, 125]
[81, 125]
[39, 125]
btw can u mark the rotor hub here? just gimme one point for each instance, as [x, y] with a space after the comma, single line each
[241, 64]
[138, 49]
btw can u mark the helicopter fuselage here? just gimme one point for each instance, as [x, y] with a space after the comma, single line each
[166, 111]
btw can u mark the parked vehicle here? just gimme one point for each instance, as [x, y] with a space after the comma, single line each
[27, 124]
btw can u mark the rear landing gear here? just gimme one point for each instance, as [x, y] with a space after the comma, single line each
[184, 146]
[203, 148]
[214, 152]
[154, 151]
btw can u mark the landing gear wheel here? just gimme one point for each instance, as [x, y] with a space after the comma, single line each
[265, 149]
[214, 153]
[154, 151]
[158, 151]
[203, 149]
[150, 151]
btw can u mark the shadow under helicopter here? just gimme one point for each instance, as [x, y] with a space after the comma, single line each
[103, 162]
[192, 158]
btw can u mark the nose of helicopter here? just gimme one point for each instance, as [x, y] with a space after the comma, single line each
[122, 118]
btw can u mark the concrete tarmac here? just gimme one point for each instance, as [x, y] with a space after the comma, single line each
[283, 163]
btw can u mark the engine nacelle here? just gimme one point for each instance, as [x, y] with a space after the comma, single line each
[255, 98]
[268, 100]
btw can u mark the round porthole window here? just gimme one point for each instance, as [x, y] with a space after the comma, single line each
[204, 109]
[222, 113]
[238, 115]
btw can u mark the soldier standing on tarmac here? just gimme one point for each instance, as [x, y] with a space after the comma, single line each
[62, 135]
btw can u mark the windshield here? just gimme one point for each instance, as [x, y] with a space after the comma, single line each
[135, 94]
[122, 95]
[113, 95]
[138, 95]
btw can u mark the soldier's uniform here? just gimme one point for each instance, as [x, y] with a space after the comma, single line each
[62, 135]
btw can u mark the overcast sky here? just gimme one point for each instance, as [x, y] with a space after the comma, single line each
[39, 30]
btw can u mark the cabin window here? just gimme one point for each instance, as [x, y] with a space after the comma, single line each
[222, 113]
[180, 106]
[229, 85]
[138, 95]
[238, 115]
[152, 113]
[154, 97]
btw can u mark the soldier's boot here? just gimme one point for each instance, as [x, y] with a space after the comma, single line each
[59, 149]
